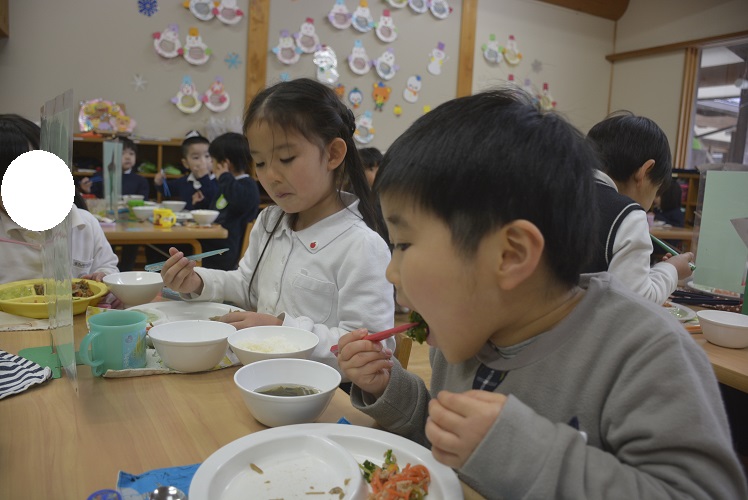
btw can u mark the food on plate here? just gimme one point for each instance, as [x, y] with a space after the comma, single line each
[420, 331]
[39, 289]
[256, 469]
[271, 345]
[287, 390]
[81, 289]
[388, 482]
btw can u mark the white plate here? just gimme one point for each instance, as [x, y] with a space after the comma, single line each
[166, 312]
[225, 475]
[681, 313]
[728, 294]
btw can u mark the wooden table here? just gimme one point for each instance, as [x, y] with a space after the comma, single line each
[56, 445]
[672, 233]
[127, 233]
[730, 365]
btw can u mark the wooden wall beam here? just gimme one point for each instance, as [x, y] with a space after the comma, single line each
[4, 19]
[257, 48]
[467, 48]
[608, 9]
[671, 47]
[687, 99]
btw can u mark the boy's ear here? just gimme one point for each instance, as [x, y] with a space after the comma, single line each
[336, 152]
[642, 172]
[520, 249]
[185, 164]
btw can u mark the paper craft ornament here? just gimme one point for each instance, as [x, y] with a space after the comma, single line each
[195, 50]
[167, 42]
[216, 98]
[418, 6]
[228, 12]
[381, 95]
[201, 9]
[362, 20]
[286, 51]
[412, 88]
[436, 59]
[355, 97]
[511, 54]
[327, 65]
[358, 60]
[397, 110]
[385, 64]
[105, 117]
[546, 101]
[398, 4]
[187, 99]
[307, 39]
[340, 90]
[440, 9]
[339, 16]
[426, 108]
[364, 132]
[386, 30]
[492, 50]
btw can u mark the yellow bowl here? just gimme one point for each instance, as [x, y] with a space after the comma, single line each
[20, 298]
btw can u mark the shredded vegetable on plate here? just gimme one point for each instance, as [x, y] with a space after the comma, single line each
[388, 482]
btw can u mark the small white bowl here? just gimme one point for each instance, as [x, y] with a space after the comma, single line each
[275, 411]
[134, 287]
[269, 342]
[723, 328]
[142, 212]
[174, 205]
[191, 345]
[204, 217]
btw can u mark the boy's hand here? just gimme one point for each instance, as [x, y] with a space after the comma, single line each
[457, 423]
[179, 273]
[681, 263]
[220, 168]
[85, 185]
[366, 363]
[240, 319]
[158, 179]
[197, 197]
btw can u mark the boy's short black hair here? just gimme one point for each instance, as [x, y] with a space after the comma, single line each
[31, 130]
[128, 144]
[482, 161]
[189, 141]
[233, 147]
[370, 157]
[625, 141]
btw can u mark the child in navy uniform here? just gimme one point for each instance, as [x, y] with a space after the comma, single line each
[132, 182]
[198, 188]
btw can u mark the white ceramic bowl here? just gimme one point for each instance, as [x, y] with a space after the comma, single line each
[142, 212]
[191, 345]
[274, 411]
[723, 328]
[270, 342]
[128, 197]
[134, 287]
[174, 205]
[204, 217]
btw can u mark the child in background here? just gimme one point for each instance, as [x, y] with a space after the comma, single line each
[198, 188]
[667, 205]
[238, 198]
[635, 164]
[315, 260]
[544, 385]
[132, 182]
[371, 158]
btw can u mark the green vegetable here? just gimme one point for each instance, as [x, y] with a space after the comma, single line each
[367, 469]
[420, 331]
[147, 168]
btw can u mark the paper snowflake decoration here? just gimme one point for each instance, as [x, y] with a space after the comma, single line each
[284, 77]
[139, 82]
[233, 60]
[147, 7]
[537, 66]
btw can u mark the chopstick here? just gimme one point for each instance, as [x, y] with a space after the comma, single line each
[167, 193]
[159, 265]
[668, 249]
[384, 334]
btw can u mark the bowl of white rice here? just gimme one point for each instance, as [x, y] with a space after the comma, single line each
[270, 342]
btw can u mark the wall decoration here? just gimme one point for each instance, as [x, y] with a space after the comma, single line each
[545, 100]
[385, 28]
[187, 99]
[105, 117]
[418, 6]
[195, 50]
[385, 64]
[436, 59]
[492, 51]
[327, 65]
[339, 16]
[232, 60]
[216, 98]
[362, 20]
[381, 95]
[147, 7]
[528, 87]
[364, 132]
[536, 66]
[358, 60]
[167, 42]
[440, 9]
[340, 90]
[138, 82]
[286, 51]
[227, 12]
[426, 109]
[511, 54]
[397, 110]
[201, 9]
[355, 97]
[412, 88]
[285, 77]
[307, 39]
[398, 4]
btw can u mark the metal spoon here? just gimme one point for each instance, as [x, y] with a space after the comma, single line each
[167, 493]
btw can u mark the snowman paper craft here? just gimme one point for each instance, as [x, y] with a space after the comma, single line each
[385, 65]
[358, 60]
[546, 101]
[286, 51]
[327, 65]
[412, 88]
[440, 8]
[227, 12]
[216, 98]
[436, 59]
[398, 4]
[362, 20]
[418, 6]
[339, 15]
[307, 39]
[167, 42]
[492, 51]
[355, 97]
[386, 30]
[195, 50]
[381, 95]
[511, 54]
[364, 132]
[187, 99]
[201, 9]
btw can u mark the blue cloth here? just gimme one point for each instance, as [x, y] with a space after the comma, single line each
[144, 483]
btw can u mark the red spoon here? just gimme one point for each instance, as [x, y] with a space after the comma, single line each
[385, 334]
